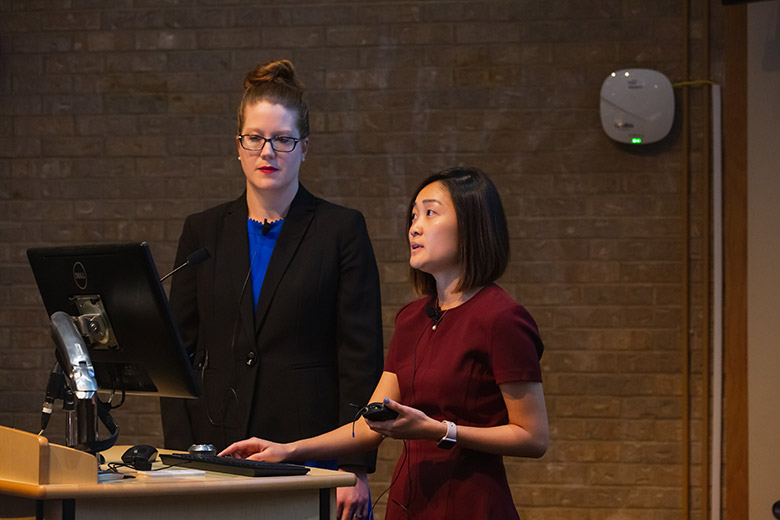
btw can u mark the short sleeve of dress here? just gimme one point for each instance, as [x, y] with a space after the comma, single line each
[515, 346]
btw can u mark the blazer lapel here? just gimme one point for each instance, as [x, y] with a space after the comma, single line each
[235, 248]
[294, 229]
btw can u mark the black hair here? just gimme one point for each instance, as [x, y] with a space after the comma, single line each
[483, 235]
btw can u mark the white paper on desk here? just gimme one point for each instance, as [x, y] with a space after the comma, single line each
[172, 473]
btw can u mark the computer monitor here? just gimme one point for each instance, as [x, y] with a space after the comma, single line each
[120, 306]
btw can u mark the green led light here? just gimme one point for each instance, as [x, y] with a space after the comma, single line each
[636, 140]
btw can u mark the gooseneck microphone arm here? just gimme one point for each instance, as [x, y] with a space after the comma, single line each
[193, 258]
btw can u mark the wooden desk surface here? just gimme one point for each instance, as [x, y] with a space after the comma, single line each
[209, 483]
[42, 480]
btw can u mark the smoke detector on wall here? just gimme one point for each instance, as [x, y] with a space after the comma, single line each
[637, 106]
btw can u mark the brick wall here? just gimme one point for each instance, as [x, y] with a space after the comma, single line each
[117, 121]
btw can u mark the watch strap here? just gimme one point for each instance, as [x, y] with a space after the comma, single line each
[451, 437]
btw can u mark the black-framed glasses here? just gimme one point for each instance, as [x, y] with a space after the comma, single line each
[255, 143]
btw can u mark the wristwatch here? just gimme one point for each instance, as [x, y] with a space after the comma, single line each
[450, 438]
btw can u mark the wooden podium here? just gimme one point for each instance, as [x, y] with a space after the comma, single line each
[45, 481]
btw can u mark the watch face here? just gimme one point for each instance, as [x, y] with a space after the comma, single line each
[446, 444]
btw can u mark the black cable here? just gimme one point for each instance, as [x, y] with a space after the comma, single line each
[405, 452]
[224, 409]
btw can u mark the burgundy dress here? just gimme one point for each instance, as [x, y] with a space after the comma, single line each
[453, 373]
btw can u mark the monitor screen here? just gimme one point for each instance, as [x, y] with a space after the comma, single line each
[114, 293]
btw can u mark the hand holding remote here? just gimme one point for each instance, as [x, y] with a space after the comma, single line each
[379, 412]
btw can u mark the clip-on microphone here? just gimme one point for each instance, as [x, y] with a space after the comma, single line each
[435, 314]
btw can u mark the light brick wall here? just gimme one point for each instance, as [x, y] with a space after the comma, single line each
[117, 121]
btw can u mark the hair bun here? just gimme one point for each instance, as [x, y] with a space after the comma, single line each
[275, 83]
[280, 71]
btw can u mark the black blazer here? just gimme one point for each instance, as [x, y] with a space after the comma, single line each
[291, 369]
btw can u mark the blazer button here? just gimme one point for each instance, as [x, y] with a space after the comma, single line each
[251, 359]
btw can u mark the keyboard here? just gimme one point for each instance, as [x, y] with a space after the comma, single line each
[248, 468]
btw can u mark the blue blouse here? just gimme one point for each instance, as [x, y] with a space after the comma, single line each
[261, 246]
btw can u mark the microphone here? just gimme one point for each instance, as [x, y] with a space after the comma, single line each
[266, 226]
[435, 314]
[193, 258]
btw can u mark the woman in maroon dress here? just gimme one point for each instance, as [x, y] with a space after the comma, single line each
[462, 370]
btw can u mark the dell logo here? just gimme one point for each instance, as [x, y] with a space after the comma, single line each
[80, 275]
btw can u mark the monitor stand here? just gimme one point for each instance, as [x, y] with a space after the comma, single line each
[73, 380]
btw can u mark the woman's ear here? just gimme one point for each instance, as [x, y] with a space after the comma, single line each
[304, 148]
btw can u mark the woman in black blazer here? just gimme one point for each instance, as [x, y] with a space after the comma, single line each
[282, 350]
